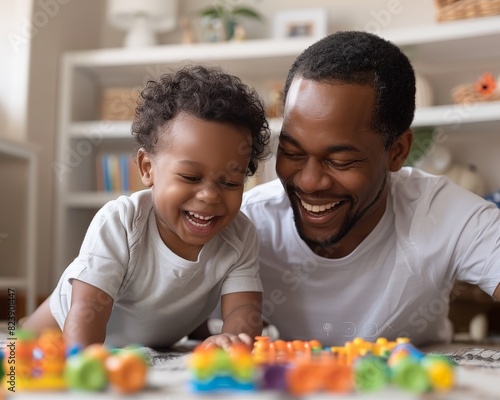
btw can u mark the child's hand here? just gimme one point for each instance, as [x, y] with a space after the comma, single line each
[225, 340]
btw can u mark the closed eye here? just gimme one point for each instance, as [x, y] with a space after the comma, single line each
[290, 154]
[191, 179]
[230, 185]
[341, 165]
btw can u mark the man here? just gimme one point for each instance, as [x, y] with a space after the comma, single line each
[351, 243]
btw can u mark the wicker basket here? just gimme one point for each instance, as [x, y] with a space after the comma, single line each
[118, 103]
[461, 9]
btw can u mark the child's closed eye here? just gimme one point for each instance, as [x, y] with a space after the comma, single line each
[230, 185]
[191, 178]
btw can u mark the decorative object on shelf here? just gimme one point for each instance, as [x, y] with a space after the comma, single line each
[188, 35]
[142, 19]
[274, 107]
[424, 96]
[439, 161]
[485, 88]
[494, 197]
[300, 22]
[423, 141]
[118, 104]
[239, 33]
[461, 9]
[220, 21]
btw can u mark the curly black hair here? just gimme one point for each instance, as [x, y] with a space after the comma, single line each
[365, 59]
[208, 93]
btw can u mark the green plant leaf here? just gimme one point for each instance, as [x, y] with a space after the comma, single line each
[213, 12]
[246, 12]
[219, 11]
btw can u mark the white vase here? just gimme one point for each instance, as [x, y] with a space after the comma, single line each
[424, 96]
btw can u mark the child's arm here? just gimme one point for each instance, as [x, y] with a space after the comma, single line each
[88, 316]
[242, 316]
[40, 320]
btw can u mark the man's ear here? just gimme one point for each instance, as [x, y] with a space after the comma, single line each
[145, 167]
[399, 151]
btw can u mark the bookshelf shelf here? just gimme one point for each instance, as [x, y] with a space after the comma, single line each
[18, 171]
[91, 199]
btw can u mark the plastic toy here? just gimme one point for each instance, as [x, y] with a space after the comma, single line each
[214, 369]
[280, 352]
[304, 367]
[84, 372]
[371, 373]
[126, 371]
[1, 366]
[299, 367]
[359, 347]
[35, 364]
[322, 372]
[419, 372]
[47, 364]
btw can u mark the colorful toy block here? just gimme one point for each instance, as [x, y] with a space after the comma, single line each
[45, 363]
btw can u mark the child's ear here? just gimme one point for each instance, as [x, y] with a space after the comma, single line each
[145, 167]
[399, 151]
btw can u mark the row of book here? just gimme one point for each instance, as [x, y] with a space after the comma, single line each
[117, 173]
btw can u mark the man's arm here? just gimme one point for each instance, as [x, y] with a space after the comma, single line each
[88, 316]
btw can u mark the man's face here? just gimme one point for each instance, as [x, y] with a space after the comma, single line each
[332, 165]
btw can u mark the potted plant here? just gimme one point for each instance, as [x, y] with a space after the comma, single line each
[224, 15]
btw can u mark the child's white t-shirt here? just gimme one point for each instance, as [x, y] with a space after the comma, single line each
[158, 296]
[396, 282]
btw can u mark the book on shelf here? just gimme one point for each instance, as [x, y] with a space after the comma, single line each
[117, 172]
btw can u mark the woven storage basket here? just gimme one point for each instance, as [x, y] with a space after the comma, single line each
[462, 9]
[118, 103]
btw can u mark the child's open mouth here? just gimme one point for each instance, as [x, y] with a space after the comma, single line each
[197, 220]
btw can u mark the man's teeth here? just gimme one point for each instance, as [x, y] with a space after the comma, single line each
[198, 216]
[318, 208]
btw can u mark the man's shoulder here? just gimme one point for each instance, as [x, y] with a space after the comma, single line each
[412, 185]
[271, 192]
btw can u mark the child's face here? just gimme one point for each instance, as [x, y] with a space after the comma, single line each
[197, 180]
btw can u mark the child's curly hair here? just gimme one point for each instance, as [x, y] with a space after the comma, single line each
[208, 93]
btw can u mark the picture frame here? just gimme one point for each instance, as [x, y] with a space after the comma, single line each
[302, 22]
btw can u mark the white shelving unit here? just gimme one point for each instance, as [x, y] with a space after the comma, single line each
[447, 54]
[18, 169]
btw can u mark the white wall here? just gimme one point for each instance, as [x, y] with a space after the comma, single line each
[14, 67]
[33, 35]
[70, 25]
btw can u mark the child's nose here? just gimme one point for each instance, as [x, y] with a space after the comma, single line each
[209, 193]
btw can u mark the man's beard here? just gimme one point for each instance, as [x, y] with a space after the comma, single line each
[323, 245]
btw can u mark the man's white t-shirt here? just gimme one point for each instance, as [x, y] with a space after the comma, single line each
[397, 282]
[158, 296]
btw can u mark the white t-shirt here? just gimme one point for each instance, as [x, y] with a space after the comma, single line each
[158, 296]
[397, 282]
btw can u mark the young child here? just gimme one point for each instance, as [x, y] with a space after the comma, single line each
[154, 265]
